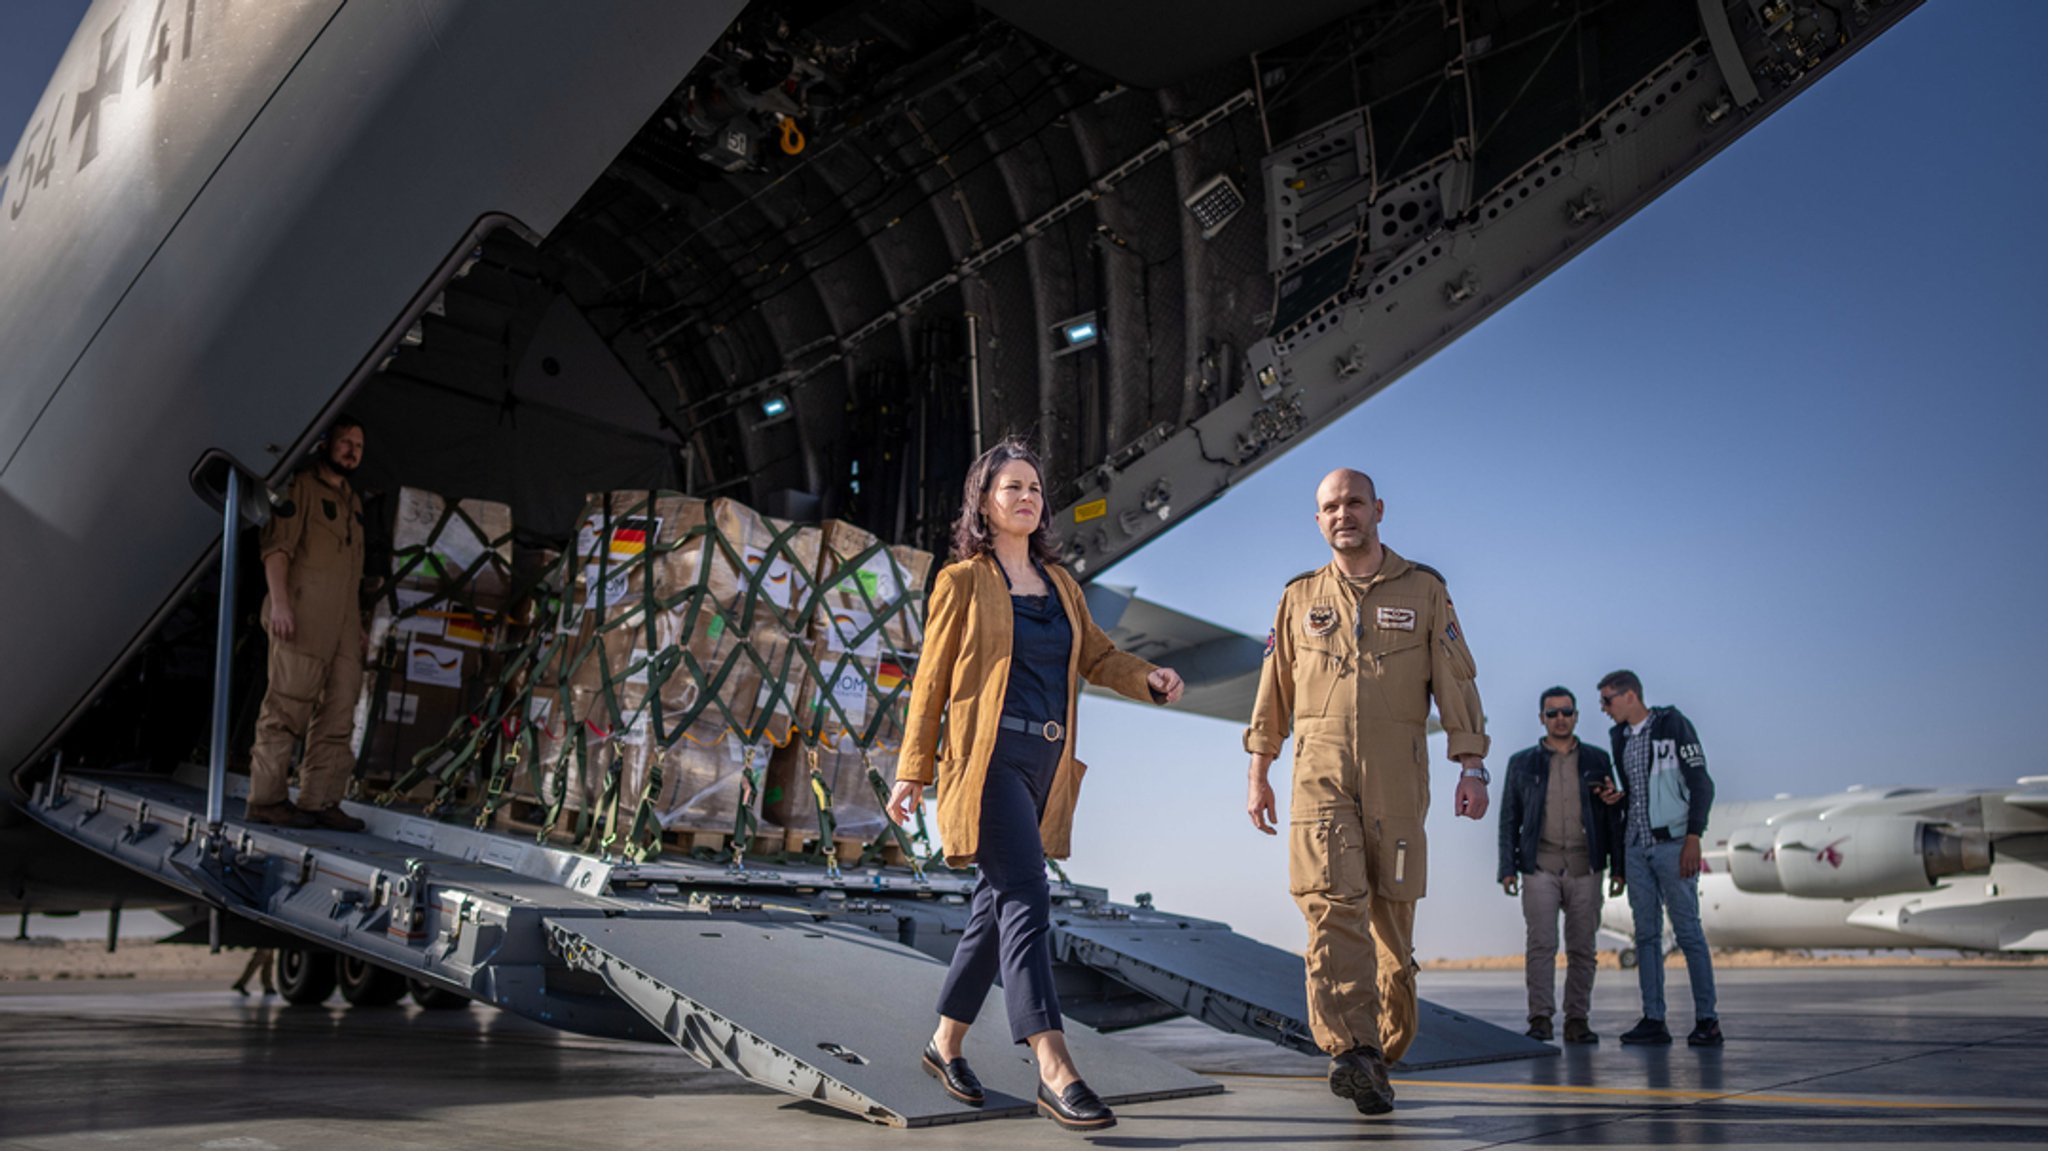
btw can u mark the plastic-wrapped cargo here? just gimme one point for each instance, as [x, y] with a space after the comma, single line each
[672, 656]
[435, 629]
[854, 701]
[464, 547]
[776, 570]
[865, 580]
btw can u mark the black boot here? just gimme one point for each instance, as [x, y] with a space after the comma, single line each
[1360, 1075]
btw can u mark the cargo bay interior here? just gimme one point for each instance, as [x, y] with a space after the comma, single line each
[857, 242]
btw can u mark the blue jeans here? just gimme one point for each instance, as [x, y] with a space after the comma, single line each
[1654, 887]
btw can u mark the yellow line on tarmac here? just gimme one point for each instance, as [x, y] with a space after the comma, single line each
[1719, 1096]
[1668, 1093]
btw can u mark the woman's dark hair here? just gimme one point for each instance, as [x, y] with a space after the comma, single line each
[971, 536]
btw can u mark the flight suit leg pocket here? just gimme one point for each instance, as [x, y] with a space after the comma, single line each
[1326, 856]
[1401, 860]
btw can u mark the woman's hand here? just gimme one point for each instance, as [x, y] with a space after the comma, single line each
[1166, 684]
[906, 795]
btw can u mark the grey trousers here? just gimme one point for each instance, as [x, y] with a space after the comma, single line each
[1544, 894]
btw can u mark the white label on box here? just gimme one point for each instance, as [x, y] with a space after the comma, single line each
[401, 707]
[417, 623]
[875, 582]
[630, 537]
[845, 633]
[638, 662]
[779, 585]
[615, 588]
[850, 690]
[538, 709]
[433, 665]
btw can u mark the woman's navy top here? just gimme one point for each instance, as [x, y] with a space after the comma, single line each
[1041, 643]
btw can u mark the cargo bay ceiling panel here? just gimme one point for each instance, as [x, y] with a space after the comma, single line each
[860, 240]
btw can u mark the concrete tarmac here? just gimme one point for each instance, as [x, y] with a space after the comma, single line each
[1878, 1057]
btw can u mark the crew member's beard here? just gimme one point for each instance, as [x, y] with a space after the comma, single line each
[1364, 544]
[341, 469]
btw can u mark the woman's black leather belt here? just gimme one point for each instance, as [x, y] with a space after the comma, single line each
[1050, 729]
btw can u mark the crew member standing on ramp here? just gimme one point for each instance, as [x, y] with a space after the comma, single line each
[1356, 651]
[313, 567]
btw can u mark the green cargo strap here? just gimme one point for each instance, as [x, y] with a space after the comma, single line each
[828, 826]
[744, 824]
[1059, 871]
[890, 828]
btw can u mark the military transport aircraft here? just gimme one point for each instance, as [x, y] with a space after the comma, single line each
[1890, 867]
[811, 254]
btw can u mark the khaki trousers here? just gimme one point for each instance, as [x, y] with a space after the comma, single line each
[312, 699]
[1356, 864]
[1544, 894]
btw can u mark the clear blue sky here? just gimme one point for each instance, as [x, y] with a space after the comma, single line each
[1776, 444]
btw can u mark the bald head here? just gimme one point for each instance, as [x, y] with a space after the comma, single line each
[1348, 512]
[1347, 477]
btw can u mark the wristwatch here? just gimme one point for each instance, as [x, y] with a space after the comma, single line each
[1479, 773]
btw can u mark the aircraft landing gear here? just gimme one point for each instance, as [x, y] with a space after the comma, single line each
[432, 998]
[365, 984]
[305, 975]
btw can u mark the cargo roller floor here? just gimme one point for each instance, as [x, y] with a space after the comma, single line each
[834, 1015]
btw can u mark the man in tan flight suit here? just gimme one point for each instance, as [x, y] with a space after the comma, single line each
[313, 567]
[1357, 649]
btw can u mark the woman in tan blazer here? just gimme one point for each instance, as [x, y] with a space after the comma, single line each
[1007, 641]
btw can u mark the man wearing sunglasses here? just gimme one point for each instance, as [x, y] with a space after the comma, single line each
[1667, 793]
[1555, 840]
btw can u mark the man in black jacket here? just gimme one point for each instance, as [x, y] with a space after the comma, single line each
[1555, 840]
[1667, 793]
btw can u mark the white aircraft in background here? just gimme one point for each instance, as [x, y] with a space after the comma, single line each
[1893, 867]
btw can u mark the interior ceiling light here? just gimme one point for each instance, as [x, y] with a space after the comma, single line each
[1215, 204]
[1074, 333]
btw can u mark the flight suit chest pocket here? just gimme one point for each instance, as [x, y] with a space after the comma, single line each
[1326, 856]
[1324, 656]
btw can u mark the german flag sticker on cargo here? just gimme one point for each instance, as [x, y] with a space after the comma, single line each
[888, 677]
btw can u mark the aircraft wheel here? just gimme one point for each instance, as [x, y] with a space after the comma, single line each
[434, 998]
[1627, 958]
[364, 984]
[305, 975]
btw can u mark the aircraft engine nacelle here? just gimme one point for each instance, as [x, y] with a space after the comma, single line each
[1865, 856]
[1753, 859]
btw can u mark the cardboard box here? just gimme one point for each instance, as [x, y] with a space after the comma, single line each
[772, 583]
[863, 581]
[854, 701]
[467, 545]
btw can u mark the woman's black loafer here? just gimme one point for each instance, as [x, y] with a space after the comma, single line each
[1076, 1109]
[954, 1074]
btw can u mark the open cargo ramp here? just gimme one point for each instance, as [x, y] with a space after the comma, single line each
[1245, 987]
[834, 1015]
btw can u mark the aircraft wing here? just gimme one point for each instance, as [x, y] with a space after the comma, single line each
[1221, 666]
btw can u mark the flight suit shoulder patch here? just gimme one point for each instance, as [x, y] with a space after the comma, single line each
[1306, 574]
[1432, 571]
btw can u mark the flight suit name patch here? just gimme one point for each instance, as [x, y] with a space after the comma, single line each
[328, 507]
[1320, 620]
[1398, 618]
